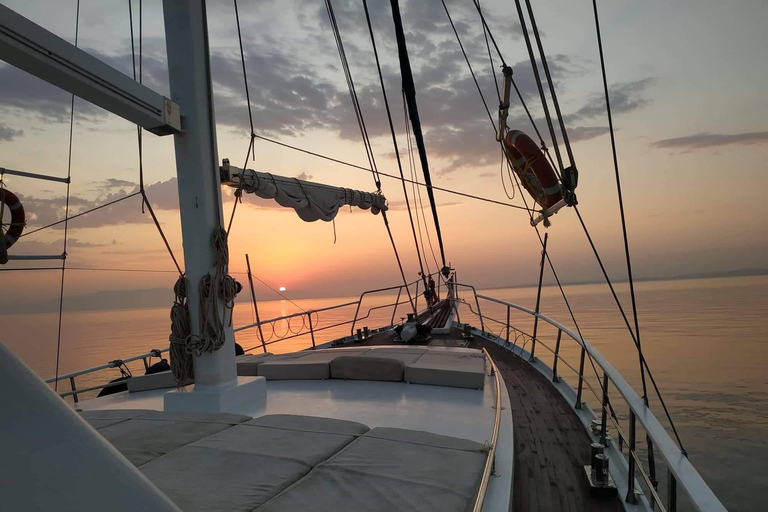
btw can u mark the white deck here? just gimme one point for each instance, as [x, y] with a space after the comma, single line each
[457, 412]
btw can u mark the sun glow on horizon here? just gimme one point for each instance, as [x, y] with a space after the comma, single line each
[282, 288]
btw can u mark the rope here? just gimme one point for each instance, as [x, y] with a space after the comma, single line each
[413, 111]
[214, 286]
[66, 213]
[181, 361]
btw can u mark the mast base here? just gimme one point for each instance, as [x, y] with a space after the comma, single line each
[240, 396]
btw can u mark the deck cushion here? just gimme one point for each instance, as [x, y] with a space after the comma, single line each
[153, 434]
[391, 469]
[309, 424]
[407, 355]
[241, 468]
[160, 380]
[367, 368]
[447, 369]
[312, 365]
[248, 364]
[103, 418]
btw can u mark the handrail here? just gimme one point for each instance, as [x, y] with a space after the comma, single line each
[490, 461]
[680, 467]
[111, 364]
[294, 315]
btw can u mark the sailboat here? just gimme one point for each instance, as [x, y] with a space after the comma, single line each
[434, 412]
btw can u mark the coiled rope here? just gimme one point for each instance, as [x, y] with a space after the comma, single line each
[216, 284]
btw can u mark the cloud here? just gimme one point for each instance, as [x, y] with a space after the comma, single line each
[116, 183]
[711, 140]
[38, 247]
[580, 133]
[304, 176]
[8, 134]
[42, 211]
[487, 175]
[294, 92]
[625, 97]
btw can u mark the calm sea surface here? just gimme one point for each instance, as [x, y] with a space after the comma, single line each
[705, 340]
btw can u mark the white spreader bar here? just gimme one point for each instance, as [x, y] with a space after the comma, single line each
[25, 174]
[37, 51]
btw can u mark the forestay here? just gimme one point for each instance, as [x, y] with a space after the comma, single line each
[312, 201]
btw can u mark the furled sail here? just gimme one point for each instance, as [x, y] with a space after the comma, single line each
[312, 201]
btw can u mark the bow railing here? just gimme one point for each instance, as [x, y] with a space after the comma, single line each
[306, 323]
[680, 472]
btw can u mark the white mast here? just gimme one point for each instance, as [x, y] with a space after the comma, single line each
[216, 384]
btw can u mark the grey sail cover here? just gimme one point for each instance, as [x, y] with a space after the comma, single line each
[312, 201]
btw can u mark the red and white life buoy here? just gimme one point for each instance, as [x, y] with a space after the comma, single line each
[16, 223]
[533, 169]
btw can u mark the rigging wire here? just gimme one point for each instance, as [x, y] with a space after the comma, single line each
[581, 220]
[490, 58]
[409, 88]
[551, 84]
[417, 194]
[466, 58]
[274, 290]
[396, 148]
[620, 197]
[540, 87]
[139, 79]
[392, 176]
[353, 93]
[250, 153]
[369, 148]
[142, 190]
[66, 212]
[411, 166]
[68, 218]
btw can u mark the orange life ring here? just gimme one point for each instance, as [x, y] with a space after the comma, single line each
[18, 218]
[533, 169]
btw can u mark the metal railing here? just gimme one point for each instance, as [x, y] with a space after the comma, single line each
[112, 364]
[310, 326]
[680, 471]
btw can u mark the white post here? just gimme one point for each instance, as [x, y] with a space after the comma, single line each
[186, 35]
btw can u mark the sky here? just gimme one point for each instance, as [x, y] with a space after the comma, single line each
[687, 81]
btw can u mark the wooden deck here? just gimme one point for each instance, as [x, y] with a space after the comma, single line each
[551, 445]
